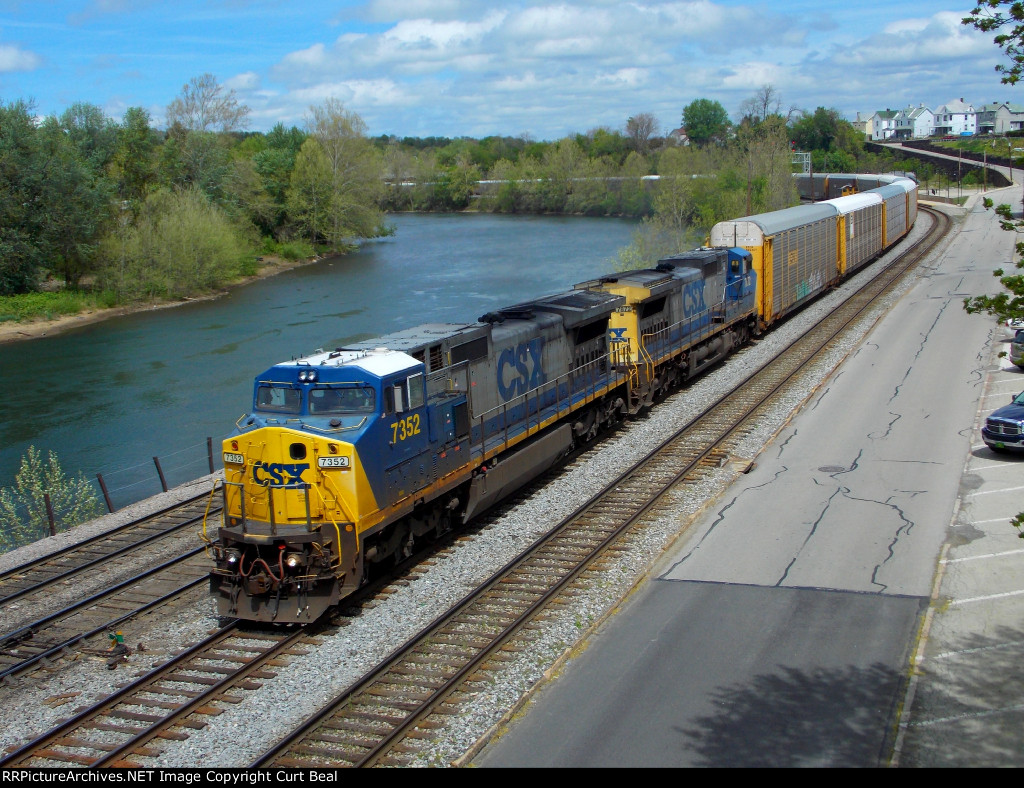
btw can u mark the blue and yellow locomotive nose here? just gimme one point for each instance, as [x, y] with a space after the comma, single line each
[296, 494]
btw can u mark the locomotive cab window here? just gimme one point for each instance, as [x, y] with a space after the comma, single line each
[279, 399]
[327, 400]
[404, 395]
[416, 395]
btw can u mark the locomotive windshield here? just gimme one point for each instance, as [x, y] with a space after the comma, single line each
[323, 400]
[336, 401]
[279, 399]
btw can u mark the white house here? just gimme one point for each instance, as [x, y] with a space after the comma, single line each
[956, 118]
[915, 123]
[883, 125]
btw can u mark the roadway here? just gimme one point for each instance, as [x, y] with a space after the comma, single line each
[855, 600]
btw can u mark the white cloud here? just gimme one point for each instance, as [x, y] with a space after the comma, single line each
[248, 80]
[14, 58]
[390, 10]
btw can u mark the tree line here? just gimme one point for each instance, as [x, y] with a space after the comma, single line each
[134, 212]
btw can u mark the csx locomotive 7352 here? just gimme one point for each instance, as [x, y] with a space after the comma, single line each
[350, 456]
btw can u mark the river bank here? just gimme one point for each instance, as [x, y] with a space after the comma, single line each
[11, 331]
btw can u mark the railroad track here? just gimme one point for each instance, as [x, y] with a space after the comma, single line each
[164, 704]
[127, 541]
[379, 720]
[43, 641]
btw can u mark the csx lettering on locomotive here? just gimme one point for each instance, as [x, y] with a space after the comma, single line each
[520, 369]
[277, 473]
[693, 299]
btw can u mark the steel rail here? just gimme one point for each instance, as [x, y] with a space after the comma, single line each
[13, 639]
[111, 537]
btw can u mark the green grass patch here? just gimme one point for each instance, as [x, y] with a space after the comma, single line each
[32, 306]
[289, 250]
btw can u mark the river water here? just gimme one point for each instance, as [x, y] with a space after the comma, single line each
[110, 396]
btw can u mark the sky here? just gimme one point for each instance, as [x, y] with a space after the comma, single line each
[477, 68]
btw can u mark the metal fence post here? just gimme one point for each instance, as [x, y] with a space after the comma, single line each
[159, 470]
[106, 495]
[49, 514]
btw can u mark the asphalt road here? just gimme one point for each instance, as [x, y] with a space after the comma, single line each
[808, 618]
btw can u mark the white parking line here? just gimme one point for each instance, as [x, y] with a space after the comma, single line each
[980, 649]
[979, 557]
[993, 465]
[1009, 390]
[992, 492]
[971, 716]
[986, 522]
[956, 602]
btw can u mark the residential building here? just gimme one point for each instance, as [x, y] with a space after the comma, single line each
[914, 123]
[863, 123]
[956, 118]
[883, 125]
[1000, 118]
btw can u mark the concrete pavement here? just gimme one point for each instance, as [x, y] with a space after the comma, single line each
[965, 702]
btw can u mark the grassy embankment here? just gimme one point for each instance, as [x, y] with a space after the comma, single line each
[51, 304]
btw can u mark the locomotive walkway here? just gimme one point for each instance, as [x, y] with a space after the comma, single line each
[716, 661]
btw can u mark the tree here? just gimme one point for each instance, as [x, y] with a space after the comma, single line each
[21, 186]
[309, 193]
[641, 129]
[23, 506]
[181, 244]
[195, 158]
[834, 143]
[1007, 305]
[93, 134]
[206, 106]
[986, 18]
[353, 170]
[78, 200]
[132, 164]
[706, 122]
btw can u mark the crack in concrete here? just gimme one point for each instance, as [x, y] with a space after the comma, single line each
[888, 430]
[905, 529]
[721, 517]
[782, 446]
[846, 492]
[920, 348]
[808, 536]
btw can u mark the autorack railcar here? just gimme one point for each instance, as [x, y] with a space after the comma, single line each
[799, 253]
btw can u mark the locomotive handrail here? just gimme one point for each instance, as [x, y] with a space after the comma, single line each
[586, 394]
[342, 503]
[337, 529]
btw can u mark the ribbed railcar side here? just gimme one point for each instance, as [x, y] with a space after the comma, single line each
[859, 229]
[894, 225]
[795, 254]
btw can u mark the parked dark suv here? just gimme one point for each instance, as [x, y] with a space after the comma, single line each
[1017, 348]
[1004, 428]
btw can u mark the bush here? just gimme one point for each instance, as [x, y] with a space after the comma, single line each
[30, 306]
[181, 245]
[23, 506]
[289, 250]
